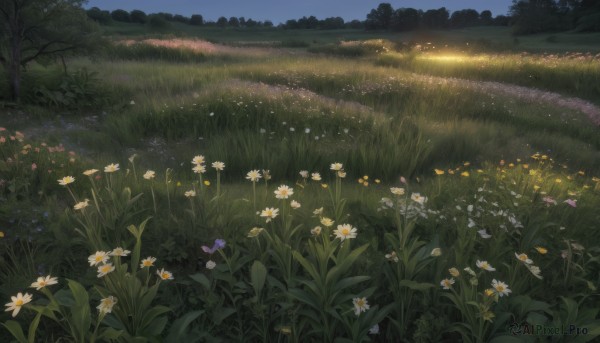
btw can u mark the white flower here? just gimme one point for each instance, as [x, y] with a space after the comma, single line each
[199, 169]
[316, 231]
[148, 262]
[374, 330]
[149, 175]
[360, 305]
[416, 197]
[436, 252]
[500, 287]
[17, 302]
[397, 190]
[447, 283]
[210, 265]
[164, 275]
[118, 251]
[485, 266]
[111, 168]
[81, 205]
[336, 166]
[470, 271]
[190, 194]
[218, 165]
[198, 160]
[269, 213]
[107, 304]
[295, 205]
[483, 233]
[97, 258]
[43, 282]
[304, 174]
[316, 176]
[105, 269]
[345, 231]
[253, 175]
[318, 211]
[284, 192]
[392, 256]
[523, 258]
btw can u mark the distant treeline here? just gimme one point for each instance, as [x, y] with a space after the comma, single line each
[526, 17]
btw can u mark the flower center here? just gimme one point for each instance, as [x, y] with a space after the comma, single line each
[345, 232]
[19, 302]
[500, 288]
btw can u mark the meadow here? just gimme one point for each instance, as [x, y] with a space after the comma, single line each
[212, 185]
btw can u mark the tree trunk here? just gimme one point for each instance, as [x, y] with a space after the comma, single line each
[14, 78]
[14, 61]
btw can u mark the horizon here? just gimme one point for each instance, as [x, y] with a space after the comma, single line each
[280, 11]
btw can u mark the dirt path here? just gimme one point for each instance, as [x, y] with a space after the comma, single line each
[589, 109]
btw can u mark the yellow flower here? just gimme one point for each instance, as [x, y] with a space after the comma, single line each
[17, 302]
[397, 190]
[43, 282]
[485, 266]
[206, 183]
[500, 287]
[1, 234]
[447, 283]
[438, 172]
[255, 231]
[465, 174]
[148, 262]
[558, 180]
[90, 172]
[111, 168]
[536, 187]
[489, 292]
[324, 185]
[326, 221]
[454, 272]
[366, 184]
[164, 275]
[66, 180]
[523, 258]
[377, 181]
[541, 250]
[107, 304]
[436, 252]
[269, 213]
[178, 184]
[118, 251]
[361, 180]
[366, 177]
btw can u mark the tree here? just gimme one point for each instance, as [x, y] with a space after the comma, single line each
[485, 17]
[435, 19]
[405, 19]
[182, 19]
[533, 16]
[380, 18]
[120, 15]
[222, 22]
[234, 22]
[268, 23]
[137, 16]
[98, 15]
[197, 20]
[33, 29]
[464, 18]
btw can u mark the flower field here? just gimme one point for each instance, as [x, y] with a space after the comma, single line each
[269, 195]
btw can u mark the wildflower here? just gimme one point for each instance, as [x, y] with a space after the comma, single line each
[66, 180]
[489, 292]
[164, 275]
[304, 174]
[571, 202]
[43, 282]
[269, 213]
[324, 185]
[218, 165]
[198, 160]
[397, 190]
[210, 265]
[206, 183]
[284, 192]
[447, 283]
[501, 288]
[483, 233]
[118, 251]
[81, 205]
[253, 175]
[327, 221]
[336, 166]
[90, 172]
[148, 262]
[541, 250]
[454, 272]
[219, 244]
[374, 330]
[266, 174]
[149, 175]
[17, 302]
[33, 167]
[470, 271]
[345, 231]
[190, 194]
[377, 181]
[105, 269]
[523, 258]
[436, 252]
[199, 169]
[97, 258]
[465, 174]
[341, 174]
[295, 205]
[316, 176]
[255, 231]
[392, 257]
[485, 266]
[360, 305]
[438, 172]
[318, 211]
[107, 304]
[416, 197]
[549, 200]
[111, 168]
[558, 180]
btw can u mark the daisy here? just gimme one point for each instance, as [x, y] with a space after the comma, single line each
[416, 197]
[190, 194]
[198, 160]
[523, 258]
[345, 231]
[318, 211]
[500, 287]
[149, 175]
[255, 231]
[269, 213]
[360, 305]
[43, 282]
[199, 169]
[210, 265]
[327, 221]
[148, 262]
[392, 257]
[107, 304]
[97, 258]
[218, 165]
[66, 180]
[397, 190]
[485, 265]
[541, 250]
[483, 233]
[283, 192]
[336, 166]
[81, 205]
[316, 231]
[105, 269]
[447, 283]
[118, 251]
[90, 172]
[295, 205]
[304, 174]
[164, 275]
[454, 272]
[17, 302]
[253, 175]
[111, 168]
[315, 176]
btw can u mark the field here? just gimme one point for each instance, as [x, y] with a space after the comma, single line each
[270, 185]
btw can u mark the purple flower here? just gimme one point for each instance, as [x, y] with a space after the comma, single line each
[219, 244]
[571, 202]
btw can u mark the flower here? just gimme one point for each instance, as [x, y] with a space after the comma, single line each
[105, 269]
[523, 258]
[397, 190]
[316, 231]
[219, 244]
[374, 330]
[436, 252]
[210, 265]
[336, 166]
[253, 175]
[341, 174]
[489, 292]
[447, 283]
[107, 304]
[255, 231]
[149, 175]
[267, 174]
[549, 201]
[199, 169]
[392, 257]
[454, 272]
[295, 205]
[148, 262]
[571, 202]
[315, 176]
[318, 211]
[269, 213]
[465, 174]
[327, 221]
[190, 193]
[111, 168]
[198, 160]
[43, 282]
[470, 271]
[218, 165]
[345, 231]
[485, 266]
[500, 287]
[535, 270]
[483, 233]
[283, 192]
[81, 205]
[90, 172]
[360, 305]
[438, 172]
[164, 275]
[541, 250]
[66, 180]
[118, 251]
[97, 258]
[416, 197]
[304, 174]
[17, 302]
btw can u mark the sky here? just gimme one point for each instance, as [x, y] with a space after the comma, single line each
[282, 10]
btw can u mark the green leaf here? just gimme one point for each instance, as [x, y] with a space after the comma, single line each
[150, 317]
[416, 286]
[33, 327]
[222, 313]
[81, 318]
[177, 332]
[109, 334]
[201, 279]
[15, 329]
[258, 276]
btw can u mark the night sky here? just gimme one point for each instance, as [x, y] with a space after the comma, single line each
[281, 10]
